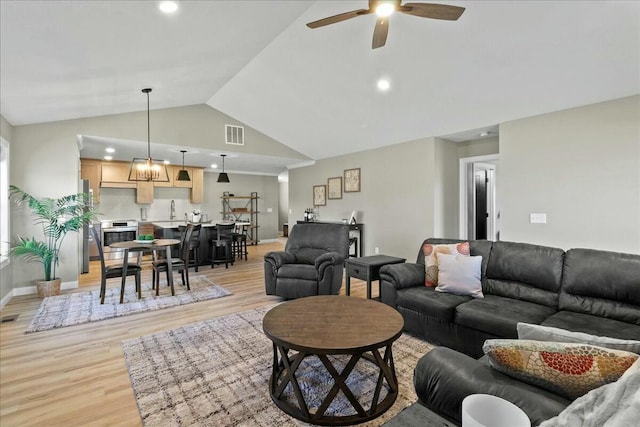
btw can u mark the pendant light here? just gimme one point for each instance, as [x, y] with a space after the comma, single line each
[223, 177]
[148, 169]
[183, 175]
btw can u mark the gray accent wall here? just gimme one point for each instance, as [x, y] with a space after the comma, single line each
[579, 166]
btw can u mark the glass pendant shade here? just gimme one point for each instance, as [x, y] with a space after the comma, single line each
[183, 174]
[223, 177]
[148, 169]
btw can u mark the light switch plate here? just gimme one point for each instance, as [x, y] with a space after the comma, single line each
[538, 218]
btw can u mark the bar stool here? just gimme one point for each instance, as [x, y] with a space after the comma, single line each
[240, 242]
[222, 246]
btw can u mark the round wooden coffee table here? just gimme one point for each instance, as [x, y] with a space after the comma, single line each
[327, 325]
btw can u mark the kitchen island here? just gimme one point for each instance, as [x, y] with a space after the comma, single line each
[171, 230]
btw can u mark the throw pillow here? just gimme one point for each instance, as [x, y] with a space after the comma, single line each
[459, 274]
[431, 262]
[527, 331]
[569, 370]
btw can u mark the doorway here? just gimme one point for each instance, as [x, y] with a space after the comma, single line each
[478, 212]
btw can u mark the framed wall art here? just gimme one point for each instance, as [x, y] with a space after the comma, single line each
[319, 195]
[352, 180]
[334, 188]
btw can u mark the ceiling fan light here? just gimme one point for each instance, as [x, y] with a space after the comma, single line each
[385, 9]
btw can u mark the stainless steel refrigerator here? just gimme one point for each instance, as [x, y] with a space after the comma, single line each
[85, 230]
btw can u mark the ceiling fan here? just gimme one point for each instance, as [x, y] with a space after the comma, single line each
[384, 8]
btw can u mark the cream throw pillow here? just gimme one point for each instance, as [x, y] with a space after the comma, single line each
[459, 274]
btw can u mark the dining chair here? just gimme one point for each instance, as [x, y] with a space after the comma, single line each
[113, 271]
[194, 244]
[222, 245]
[180, 264]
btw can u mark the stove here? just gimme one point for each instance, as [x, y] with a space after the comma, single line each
[117, 230]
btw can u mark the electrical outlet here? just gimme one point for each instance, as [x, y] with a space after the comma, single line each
[376, 250]
[538, 218]
[269, 210]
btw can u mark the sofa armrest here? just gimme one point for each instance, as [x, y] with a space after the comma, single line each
[405, 275]
[444, 377]
[394, 277]
[280, 258]
[326, 260]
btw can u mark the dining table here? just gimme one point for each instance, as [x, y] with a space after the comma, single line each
[146, 246]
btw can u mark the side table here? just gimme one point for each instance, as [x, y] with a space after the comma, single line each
[368, 268]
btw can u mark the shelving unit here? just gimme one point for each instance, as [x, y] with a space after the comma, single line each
[243, 209]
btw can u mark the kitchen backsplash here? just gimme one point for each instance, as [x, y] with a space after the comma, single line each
[120, 203]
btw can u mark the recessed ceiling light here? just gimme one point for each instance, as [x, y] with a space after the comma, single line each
[385, 9]
[166, 162]
[485, 133]
[384, 85]
[214, 166]
[168, 6]
[110, 150]
[108, 157]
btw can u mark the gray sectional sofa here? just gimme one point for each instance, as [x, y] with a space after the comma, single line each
[582, 290]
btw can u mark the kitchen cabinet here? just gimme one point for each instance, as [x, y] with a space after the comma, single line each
[91, 170]
[116, 175]
[197, 185]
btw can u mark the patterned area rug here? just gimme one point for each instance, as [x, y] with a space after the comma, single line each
[82, 307]
[216, 373]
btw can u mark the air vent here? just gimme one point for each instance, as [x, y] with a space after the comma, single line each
[9, 318]
[234, 134]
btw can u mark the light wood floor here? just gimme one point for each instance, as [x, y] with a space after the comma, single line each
[77, 375]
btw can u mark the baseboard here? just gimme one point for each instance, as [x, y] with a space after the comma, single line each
[6, 299]
[269, 240]
[31, 290]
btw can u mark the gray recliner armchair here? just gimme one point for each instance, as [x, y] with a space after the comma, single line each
[311, 264]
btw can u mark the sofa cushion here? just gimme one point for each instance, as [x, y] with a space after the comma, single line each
[499, 315]
[527, 272]
[433, 304]
[527, 331]
[431, 252]
[593, 325]
[602, 283]
[567, 369]
[459, 275]
[298, 271]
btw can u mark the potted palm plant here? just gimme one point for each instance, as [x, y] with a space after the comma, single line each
[57, 218]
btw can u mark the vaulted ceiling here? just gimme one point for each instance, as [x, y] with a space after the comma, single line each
[315, 90]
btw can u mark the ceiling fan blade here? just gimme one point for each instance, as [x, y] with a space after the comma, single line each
[380, 33]
[337, 18]
[431, 10]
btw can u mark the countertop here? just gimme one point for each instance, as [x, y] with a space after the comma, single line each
[175, 224]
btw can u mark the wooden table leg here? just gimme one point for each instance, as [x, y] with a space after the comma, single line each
[170, 271]
[125, 263]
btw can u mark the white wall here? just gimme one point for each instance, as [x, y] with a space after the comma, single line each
[582, 168]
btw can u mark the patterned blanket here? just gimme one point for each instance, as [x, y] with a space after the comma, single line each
[613, 405]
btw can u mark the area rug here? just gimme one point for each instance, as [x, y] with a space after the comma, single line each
[82, 307]
[215, 373]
